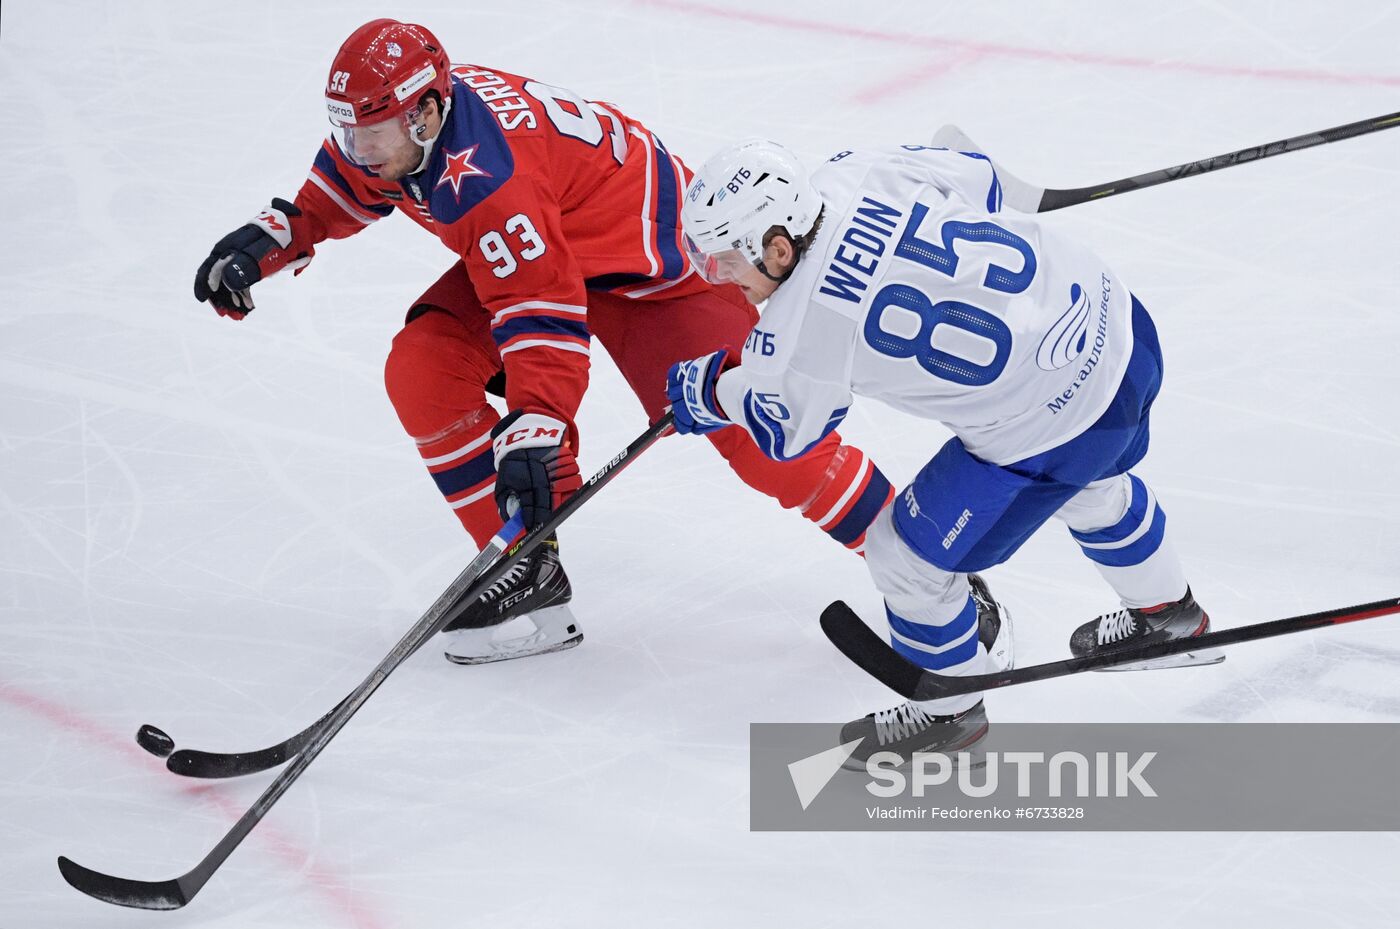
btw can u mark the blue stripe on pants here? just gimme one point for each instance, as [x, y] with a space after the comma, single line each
[964, 624]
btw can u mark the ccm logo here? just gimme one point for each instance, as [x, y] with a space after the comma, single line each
[539, 432]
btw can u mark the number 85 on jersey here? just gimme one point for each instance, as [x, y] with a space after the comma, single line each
[903, 321]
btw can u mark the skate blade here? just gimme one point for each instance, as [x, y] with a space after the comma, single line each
[548, 625]
[509, 655]
[1207, 656]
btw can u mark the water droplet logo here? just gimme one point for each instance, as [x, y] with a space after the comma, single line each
[1067, 338]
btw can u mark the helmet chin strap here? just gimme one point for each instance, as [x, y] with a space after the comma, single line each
[763, 269]
[427, 146]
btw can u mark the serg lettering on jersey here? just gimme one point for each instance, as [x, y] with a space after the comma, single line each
[511, 109]
[861, 248]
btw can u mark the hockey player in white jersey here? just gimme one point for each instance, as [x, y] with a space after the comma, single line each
[893, 274]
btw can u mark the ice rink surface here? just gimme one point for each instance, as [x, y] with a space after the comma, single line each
[220, 528]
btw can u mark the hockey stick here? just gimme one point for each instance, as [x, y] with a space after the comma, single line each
[484, 570]
[861, 644]
[1027, 198]
[191, 762]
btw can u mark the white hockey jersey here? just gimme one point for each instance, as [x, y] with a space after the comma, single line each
[918, 292]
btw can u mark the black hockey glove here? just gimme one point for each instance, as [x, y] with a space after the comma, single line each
[246, 256]
[535, 467]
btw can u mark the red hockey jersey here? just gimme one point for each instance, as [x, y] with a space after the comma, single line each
[544, 196]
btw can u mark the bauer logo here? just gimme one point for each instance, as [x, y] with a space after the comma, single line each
[1078, 777]
[957, 529]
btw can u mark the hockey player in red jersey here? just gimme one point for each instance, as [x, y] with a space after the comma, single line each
[564, 215]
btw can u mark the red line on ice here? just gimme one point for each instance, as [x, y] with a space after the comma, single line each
[332, 887]
[989, 49]
[904, 80]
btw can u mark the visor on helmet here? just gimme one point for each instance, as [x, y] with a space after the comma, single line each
[722, 267]
[375, 143]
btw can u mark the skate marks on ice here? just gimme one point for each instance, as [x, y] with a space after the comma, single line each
[1310, 683]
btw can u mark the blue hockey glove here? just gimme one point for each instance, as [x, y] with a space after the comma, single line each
[691, 387]
[535, 467]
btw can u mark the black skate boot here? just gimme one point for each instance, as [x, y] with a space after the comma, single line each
[524, 613]
[992, 619]
[909, 728]
[1130, 628]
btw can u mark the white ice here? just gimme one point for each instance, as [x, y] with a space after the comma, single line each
[219, 528]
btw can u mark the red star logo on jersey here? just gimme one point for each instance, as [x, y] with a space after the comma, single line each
[459, 165]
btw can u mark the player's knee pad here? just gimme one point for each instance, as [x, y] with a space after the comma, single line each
[496, 384]
[436, 379]
[1122, 529]
[1128, 541]
[436, 372]
[912, 587]
[1100, 504]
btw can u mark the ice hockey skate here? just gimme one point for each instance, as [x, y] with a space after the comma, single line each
[524, 613]
[1130, 628]
[909, 728]
[994, 629]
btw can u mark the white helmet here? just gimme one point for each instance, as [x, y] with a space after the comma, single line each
[736, 197]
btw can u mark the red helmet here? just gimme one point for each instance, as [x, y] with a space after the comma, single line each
[382, 71]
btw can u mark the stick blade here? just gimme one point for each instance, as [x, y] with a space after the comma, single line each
[143, 895]
[858, 642]
[951, 137]
[191, 762]
[1015, 193]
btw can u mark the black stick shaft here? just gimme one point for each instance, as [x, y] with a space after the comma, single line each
[862, 645]
[1057, 199]
[174, 893]
[937, 685]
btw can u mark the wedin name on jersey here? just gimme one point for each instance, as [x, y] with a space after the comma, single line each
[856, 261]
